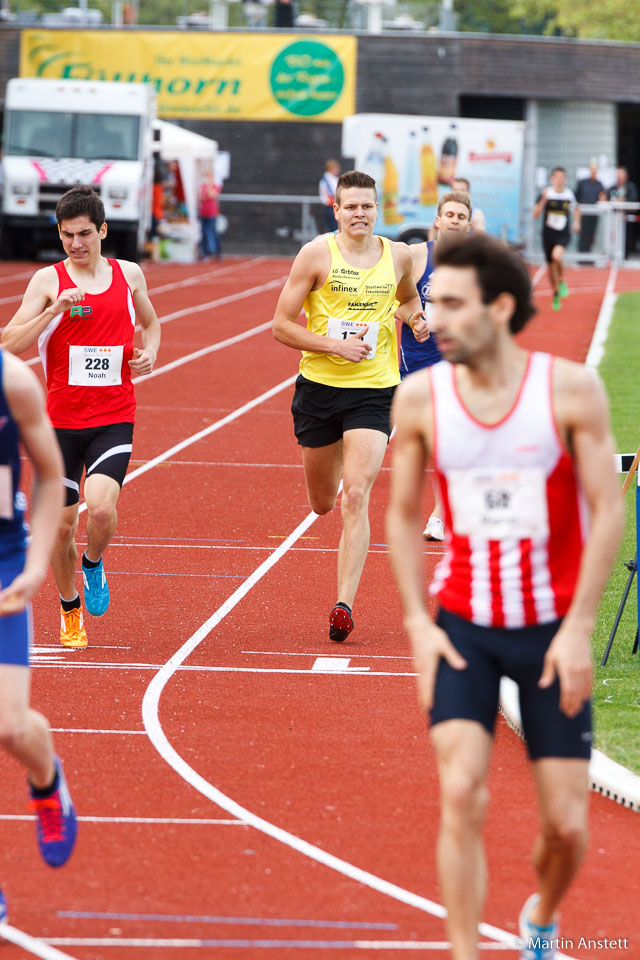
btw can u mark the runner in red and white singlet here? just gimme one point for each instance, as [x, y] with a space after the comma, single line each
[103, 326]
[533, 518]
[514, 511]
[82, 312]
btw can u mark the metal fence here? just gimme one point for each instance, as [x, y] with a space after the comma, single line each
[352, 15]
[610, 234]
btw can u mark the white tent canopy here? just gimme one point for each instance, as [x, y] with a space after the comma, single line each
[194, 154]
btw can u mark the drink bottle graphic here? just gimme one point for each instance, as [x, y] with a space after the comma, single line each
[428, 179]
[390, 188]
[448, 158]
[374, 165]
[410, 185]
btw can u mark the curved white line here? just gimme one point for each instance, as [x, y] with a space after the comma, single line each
[158, 738]
[32, 945]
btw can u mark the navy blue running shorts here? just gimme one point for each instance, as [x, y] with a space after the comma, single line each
[554, 238]
[105, 450]
[473, 693]
[321, 414]
[16, 630]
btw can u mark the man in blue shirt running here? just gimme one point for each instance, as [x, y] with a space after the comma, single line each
[24, 733]
[454, 216]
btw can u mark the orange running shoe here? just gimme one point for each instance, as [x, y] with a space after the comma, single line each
[72, 632]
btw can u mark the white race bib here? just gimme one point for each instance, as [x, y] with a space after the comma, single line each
[556, 221]
[342, 329]
[95, 366]
[499, 504]
[6, 492]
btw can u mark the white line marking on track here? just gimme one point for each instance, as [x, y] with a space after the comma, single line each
[180, 821]
[89, 665]
[151, 720]
[201, 434]
[123, 733]
[335, 664]
[538, 275]
[433, 945]
[601, 331]
[37, 947]
[353, 656]
[231, 268]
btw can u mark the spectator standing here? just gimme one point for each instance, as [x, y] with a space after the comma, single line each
[627, 192]
[327, 192]
[284, 14]
[209, 211]
[589, 190]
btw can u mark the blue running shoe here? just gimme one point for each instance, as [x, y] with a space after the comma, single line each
[96, 589]
[538, 943]
[56, 824]
[4, 913]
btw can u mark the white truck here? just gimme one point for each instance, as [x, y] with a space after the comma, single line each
[61, 133]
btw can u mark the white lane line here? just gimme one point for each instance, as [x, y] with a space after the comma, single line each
[353, 656]
[601, 331]
[231, 268]
[239, 412]
[284, 671]
[151, 720]
[439, 946]
[538, 275]
[210, 305]
[180, 821]
[204, 351]
[37, 947]
[120, 733]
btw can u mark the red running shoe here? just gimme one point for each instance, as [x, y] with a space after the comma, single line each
[340, 623]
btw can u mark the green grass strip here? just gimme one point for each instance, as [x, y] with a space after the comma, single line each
[617, 685]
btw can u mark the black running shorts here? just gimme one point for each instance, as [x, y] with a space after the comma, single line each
[321, 414]
[105, 450]
[554, 238]
[473, 693]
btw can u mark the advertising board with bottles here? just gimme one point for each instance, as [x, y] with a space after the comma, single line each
[414, 159]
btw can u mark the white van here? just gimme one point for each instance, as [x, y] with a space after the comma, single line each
[61, 133]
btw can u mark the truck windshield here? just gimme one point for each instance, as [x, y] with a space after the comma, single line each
[35, 133]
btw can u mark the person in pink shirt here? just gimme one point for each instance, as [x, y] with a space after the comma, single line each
[208, 212]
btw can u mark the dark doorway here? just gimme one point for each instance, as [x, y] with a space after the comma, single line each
[491, 108]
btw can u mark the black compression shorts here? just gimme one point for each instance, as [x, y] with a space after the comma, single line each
[554, 238]
[473, 693]
[104, 450]
[321, 414]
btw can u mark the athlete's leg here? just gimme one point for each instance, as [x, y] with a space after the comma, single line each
[24, 733]
[322, 470]
[65, 555]
[363, 454]
[563, 787]
[463, 751]
[101, 494]
[557, 255]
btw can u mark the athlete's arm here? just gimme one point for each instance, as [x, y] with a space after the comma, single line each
[411, 408]
[410, 309]
[312, 263]
[143, 360]
[38, 308]
[25, 400]
[581, 409]
[542, 199]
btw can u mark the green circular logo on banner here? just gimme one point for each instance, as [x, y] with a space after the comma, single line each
[307, 78]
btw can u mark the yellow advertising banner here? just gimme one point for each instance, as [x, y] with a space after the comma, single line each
[208, 76]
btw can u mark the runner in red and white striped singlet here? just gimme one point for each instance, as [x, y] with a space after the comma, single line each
[523, 455]
[514, 511]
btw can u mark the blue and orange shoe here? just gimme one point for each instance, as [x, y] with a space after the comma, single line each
[538, 943]
[4, 913]
[340, 622]
[56, 824]
[96, 589]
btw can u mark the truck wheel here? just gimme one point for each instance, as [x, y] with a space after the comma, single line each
[414, 235]
[128, 247]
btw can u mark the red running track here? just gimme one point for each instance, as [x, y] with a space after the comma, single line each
[239, 795]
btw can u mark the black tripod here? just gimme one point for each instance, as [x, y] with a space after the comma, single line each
[632, 566]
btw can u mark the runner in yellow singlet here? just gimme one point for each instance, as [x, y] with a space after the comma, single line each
[350, 286]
